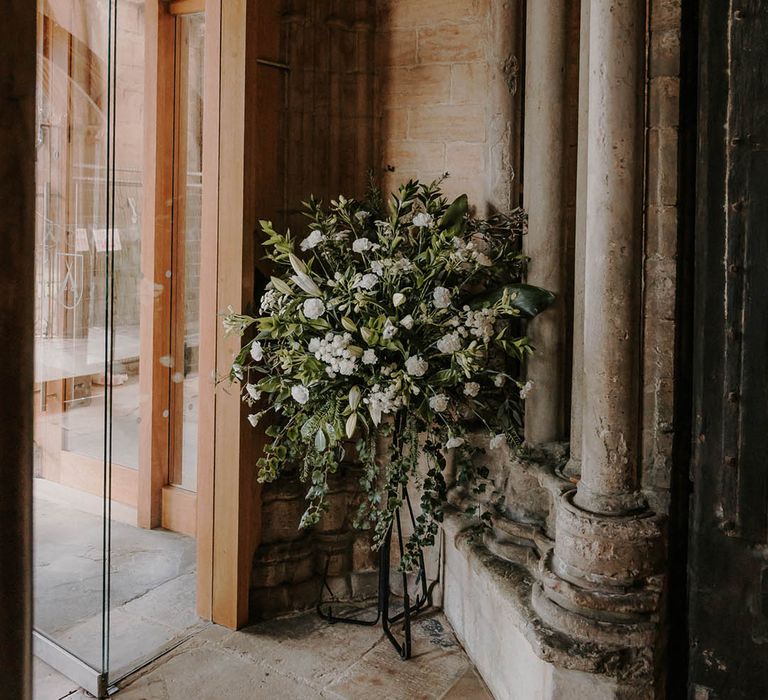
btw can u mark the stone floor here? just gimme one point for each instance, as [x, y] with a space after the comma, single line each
[298, 658]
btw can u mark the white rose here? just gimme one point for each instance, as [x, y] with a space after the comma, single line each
[422, 220]
[300, 393]
[369, 357]
[454, 442]
[526, 389]
[449, 343]
[398, 299]
[257, 352]
[438, 403]
[471, 388]
[361, 245]
[312, 240]
[441, 298]
[415, 366]
[314, 308]
[497, 441]
[407, 322]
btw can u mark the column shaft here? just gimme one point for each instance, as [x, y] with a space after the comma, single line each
[544, 200]
[609, 480]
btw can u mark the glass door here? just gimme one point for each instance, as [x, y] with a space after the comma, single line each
[116, 344]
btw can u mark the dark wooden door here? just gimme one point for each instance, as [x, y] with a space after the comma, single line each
[728, 536]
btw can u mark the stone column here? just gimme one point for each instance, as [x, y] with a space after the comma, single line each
[544, 199]
[600, 582]
[17, 207]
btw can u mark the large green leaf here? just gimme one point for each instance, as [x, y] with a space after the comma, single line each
[454, 215]
[530, 301]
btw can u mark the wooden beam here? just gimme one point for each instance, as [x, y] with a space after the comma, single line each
[186, 7]
[180, 510]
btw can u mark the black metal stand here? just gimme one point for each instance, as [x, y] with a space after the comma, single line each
[422, 599]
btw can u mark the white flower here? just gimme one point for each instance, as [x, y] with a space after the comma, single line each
[454, 442]
[389, 331]
[361, 245]
[253, 392]
[237, 370]
[368, 281]
[253, 419]
[481, 323]
[497, 441]
[439, 402]
[369, 357]
[483, 259]
[398, 299]
[499, 380]
[257, 352]
[441, 298]
[407, 322]
[313, 239]
[382, 401]
[377, 267]
[300, 393]
[415, 366]
[526, 389]
[362, 215]
[449, 343]
[471, 388]
[314, 308]
[422, 220]
[314, 345]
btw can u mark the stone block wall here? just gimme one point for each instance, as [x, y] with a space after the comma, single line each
[448, 85]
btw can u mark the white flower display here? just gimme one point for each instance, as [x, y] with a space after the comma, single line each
[314, 308]
[439, 403]
[313, 240]
[441, 298]
[361, 245]
[526, 389]
[422, 220]
[400, 313]
[471, 389]
[416, 366]
[300, 393]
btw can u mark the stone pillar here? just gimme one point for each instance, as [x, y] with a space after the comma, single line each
[600, 582]
[544, 194]
[17, 207]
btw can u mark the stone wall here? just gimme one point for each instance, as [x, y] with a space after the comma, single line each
[449, 81]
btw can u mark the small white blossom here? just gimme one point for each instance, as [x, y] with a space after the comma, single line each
[416, 366]
[499, 380]
[407, 321]
[361, 245]
[481, 323]
[441, 298]
[439, 403]
[422, 220]
[237, 370]
[253, 392]
[378, 268]
[362, 215]
[313, 239]
[471, 388]
[449, 343]
[497, 441]
[314, 308]
[300, 393]
[389, 331]
[381, 401]
[257, 352]
[526, 389]
[454, 442]
[369, 357]
[398, 299]
[367, 281]
[314, 345]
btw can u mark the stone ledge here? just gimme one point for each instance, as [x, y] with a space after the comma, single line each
[507, 590]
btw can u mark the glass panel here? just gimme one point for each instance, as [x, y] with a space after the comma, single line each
[71, 327]
[191, 36]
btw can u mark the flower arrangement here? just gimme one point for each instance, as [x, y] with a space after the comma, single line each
[399, 320]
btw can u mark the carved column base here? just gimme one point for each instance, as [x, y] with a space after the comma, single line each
[600, 581]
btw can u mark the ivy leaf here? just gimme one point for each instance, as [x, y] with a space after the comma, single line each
[530, 301]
